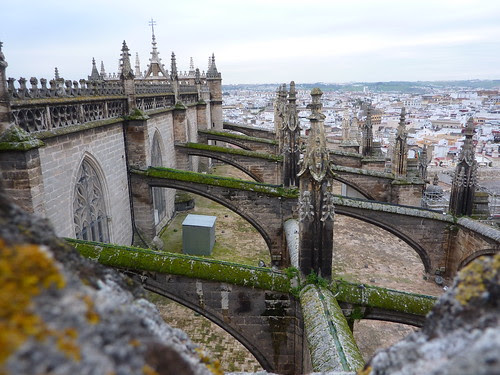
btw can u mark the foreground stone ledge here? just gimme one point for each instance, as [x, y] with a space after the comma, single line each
[331, 343]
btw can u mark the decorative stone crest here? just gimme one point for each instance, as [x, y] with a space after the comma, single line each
[328, 208]
[306, 209]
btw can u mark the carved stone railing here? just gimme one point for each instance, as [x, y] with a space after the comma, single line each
[65, 103]
[150, 103]
[153, 87]
[50, 116]
[60, 88]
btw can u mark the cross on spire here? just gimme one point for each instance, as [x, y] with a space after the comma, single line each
[152, 23]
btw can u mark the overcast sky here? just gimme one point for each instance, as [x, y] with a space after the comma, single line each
[260, 41]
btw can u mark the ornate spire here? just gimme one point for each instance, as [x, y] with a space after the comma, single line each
[137, 66]
[103, 72]
[173, 68]
[126, 69]
[94, 75]
[155, 66]
[56, 72]
[212, 69]
[291, 136]
[464, 180]
[316, 157]
[400, 151]
[367, 146]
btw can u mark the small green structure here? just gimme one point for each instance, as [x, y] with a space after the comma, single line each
[198, 234]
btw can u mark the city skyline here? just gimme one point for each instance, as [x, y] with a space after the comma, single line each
[260, 41]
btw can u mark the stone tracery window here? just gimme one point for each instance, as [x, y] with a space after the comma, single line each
[89, 211]
[159, 203]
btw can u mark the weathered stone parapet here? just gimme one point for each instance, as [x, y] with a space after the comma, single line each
[331, 343]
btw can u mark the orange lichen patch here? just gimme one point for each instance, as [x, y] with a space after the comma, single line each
[474, 277]
[66, 343]
[213, 365]
[148, 370]
[365, 371]
[25, 271]
[135, 343]
[91, 314]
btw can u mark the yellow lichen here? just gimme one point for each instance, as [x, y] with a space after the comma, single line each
[148, 370]
[213, 365]
[66, 343]
[135, 343]
[25, 270]
[91, 314]
[473, 277]
[365, 371]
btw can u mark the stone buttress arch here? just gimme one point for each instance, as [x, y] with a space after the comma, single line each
[259, 356]
[223, 159]
[355, 187]
[475, 255]
[422, 253]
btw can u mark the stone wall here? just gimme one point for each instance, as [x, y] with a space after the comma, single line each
[163, 124]
[268, 323]
[60, 161]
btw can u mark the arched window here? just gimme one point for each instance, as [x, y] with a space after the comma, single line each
[159, 203]
[89, 211]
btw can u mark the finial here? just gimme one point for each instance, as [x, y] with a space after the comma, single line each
[191, 64]
[56, 73]
[173, 68]
[126, 69]
[3, 63]
[103, 72]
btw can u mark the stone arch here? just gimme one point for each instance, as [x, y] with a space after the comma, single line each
[229, 140]
[476, 255]
[355, 187]
[159, 200]
[90, 202]
[422, 253]
[227, 161]
[248, 344]
[224, 202]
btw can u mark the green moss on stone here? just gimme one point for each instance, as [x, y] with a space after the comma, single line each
[17, 139]
[213, 180]
[233, 151]
[178, 264]
[394, 300]
[238, 136]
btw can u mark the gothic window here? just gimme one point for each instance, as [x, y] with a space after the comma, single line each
[159, 203]
[88, 206]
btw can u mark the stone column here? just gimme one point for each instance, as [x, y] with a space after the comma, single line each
[214, 82]
[127, 79]
[465, 178]
[20, 169]
[316, 209]
[291, 147]
[137, 146]
[180, 135]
